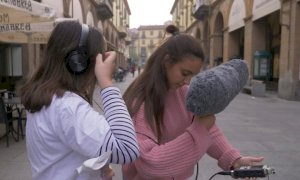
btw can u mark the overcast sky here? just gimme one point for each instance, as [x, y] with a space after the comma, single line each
[149, 12]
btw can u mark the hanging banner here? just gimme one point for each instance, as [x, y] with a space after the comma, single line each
[32, 33]
[36, 33]
[25, 21]
[12, 11]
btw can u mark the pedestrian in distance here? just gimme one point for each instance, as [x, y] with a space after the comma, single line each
[132, 69]
[139, 70]
[119, 75]
[64, 133]
[172, 139]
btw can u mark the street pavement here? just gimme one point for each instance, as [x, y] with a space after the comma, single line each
[260, 126]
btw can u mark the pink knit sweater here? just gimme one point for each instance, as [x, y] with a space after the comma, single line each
[184, 142]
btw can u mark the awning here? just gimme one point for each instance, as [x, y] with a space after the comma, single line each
[25, 11]
[32, 33]
[25, 21]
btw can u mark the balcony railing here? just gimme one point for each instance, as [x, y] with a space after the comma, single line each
[122, 32]
[201, 9]
[104, 9]
[151, 46]
[128, 40]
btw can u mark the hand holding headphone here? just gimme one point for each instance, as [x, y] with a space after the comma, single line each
[105, 68]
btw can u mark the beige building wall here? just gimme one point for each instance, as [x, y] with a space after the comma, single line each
[240, 28]
[119, 24]
[149, 37]
[113, 22]
[181, 12]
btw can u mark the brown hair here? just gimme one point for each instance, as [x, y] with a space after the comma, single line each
[52, 76]
[151, 86]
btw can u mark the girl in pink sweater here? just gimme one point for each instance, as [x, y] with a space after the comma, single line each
[171, 139]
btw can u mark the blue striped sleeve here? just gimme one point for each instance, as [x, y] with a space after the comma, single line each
[121, 139]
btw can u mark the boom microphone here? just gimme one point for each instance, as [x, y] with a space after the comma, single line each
[212, 90]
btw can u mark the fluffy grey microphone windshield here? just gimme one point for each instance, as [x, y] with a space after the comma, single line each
[212, 90]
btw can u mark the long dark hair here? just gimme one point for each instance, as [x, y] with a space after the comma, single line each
[52, 76]
[151, 86]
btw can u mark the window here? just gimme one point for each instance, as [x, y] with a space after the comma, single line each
[143, 52]
[151, 42]
[143, 34]
[11, 60]
[159, 34]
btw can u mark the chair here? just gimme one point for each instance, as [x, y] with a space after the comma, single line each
[22, 117]
[7, 118]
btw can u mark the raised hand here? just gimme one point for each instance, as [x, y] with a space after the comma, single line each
[104, 69]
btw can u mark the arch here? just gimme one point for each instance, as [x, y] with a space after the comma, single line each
[205, 40]
[218, 40]
[198, 33]
[78, 13]
[100, 26]
[219, 24]
[89, 18]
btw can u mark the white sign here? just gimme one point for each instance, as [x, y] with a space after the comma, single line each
[237, 15]
[262, 8]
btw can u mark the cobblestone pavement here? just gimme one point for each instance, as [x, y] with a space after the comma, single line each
[265, 126]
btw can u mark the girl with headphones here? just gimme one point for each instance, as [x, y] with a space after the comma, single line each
[66, 137]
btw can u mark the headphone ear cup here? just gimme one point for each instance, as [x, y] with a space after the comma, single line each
[77, 61]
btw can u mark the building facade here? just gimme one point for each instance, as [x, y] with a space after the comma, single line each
[20, 58]
[149, 37]
[265, 33]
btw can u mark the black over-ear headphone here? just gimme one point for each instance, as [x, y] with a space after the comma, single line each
[77, 61]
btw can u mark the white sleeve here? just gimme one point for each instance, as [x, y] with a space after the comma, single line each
[80, 126]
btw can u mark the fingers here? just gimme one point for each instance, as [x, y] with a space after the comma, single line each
[104, 68]
[258, 159]
[108, 172]
[255, 160]
[207, 121]
[110, 56]
[99, 58]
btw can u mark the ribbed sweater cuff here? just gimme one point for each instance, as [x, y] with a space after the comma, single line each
[228, 158]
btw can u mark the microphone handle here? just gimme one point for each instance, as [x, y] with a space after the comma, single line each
[252, 171]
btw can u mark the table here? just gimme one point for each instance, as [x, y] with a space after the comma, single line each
[14, 101]
[3, 90]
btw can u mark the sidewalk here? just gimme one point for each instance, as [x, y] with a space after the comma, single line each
[265, 126]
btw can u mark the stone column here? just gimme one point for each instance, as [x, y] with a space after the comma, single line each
[289, 85]
[248, 44]
[226, 45]
[216, 47]
[231, 43]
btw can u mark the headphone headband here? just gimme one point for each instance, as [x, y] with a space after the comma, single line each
[83, 35]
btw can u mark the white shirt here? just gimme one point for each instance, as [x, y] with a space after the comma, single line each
[61, 137]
